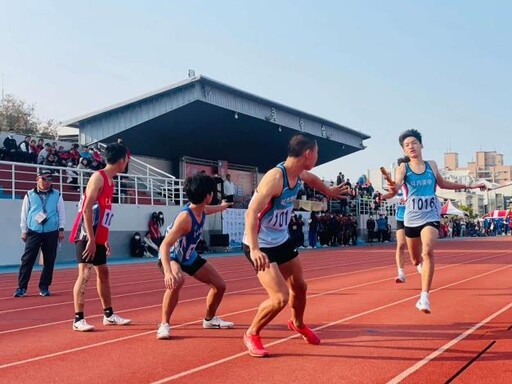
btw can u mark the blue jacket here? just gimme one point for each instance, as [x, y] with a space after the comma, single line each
[50, 203]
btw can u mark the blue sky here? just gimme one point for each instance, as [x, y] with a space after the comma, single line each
[379, 67]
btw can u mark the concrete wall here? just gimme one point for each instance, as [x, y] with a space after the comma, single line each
[127, 220]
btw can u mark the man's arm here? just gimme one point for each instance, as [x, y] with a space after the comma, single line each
[172, 269]
[394, 188]
[61, 210]
[335, 192]
[211, 209]
[445, 184]
[92, 191]
[270, 186]
[23, 218]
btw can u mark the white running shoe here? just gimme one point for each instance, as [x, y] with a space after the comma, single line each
[424, 305]
[82, 326]
[400, 279]
[419, 268]
[164, 331]
[217, 322]
[115, 320]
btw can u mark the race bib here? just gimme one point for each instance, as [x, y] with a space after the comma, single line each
[107, 218]
[280, 219]
[421, 204]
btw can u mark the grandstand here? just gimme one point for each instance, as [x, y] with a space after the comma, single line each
[196, 124]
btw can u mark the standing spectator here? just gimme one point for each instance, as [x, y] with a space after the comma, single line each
[90, 234]
[229, 189]
[11, 147]
[313, 230]
[370, 227]
[42, 227]
[300, 231]
[382, 227]
[340, 179]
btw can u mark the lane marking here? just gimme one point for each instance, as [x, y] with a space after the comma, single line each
[232, 357]
[445, 347]
[475, 358]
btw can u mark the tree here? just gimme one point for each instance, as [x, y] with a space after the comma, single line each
[468, 209]
[17, 115]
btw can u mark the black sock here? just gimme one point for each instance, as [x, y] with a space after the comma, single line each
[79, 316]
[208, 319]
[108, 311]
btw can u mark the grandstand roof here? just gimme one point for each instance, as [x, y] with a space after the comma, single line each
[203, 118]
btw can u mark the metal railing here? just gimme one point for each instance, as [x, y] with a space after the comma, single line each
[17, 178]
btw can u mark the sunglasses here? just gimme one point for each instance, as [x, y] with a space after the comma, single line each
[48, 179]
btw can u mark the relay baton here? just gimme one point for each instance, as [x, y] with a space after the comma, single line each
[387, 176]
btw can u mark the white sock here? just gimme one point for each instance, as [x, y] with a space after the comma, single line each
[401, 272]
[424, 295]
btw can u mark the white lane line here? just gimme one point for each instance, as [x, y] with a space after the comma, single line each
[253, 289]
[397, 379]
[251, 277]
[232, 357]
[202, 298]
[217, 362]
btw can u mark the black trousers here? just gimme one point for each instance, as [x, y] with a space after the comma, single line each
[47, 242]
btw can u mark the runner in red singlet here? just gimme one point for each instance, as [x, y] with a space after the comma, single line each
[90, 234]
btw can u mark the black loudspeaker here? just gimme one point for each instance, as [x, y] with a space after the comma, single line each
[220, 240]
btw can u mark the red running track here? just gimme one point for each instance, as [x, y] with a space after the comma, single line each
[371, 332]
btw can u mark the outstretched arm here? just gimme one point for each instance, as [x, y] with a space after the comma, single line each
[211, 209]
[334, 192]
[394, 188]
[445, 184]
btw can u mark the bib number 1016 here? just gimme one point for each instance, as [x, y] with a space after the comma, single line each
[423, 204]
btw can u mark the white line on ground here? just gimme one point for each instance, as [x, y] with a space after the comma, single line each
[397, 379]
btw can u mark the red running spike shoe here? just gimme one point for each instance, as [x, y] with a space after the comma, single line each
[254, 345]
[307, 334]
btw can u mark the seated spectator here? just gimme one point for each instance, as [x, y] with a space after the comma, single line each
[84, 153]
[136, 246]
[150, 248]
[96, 155]
[125, 192]
[50, 160]
[74, 154]
[62, 157]
[33, 151]
[41, 157]
[95, 165]
[83, 166]
[154, 229]
[71, 174]
[40, 145]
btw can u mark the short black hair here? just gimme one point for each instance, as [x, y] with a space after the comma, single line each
[410, 132]
[114, 152]
[401, 160]
[300, 143]
[198, 186]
